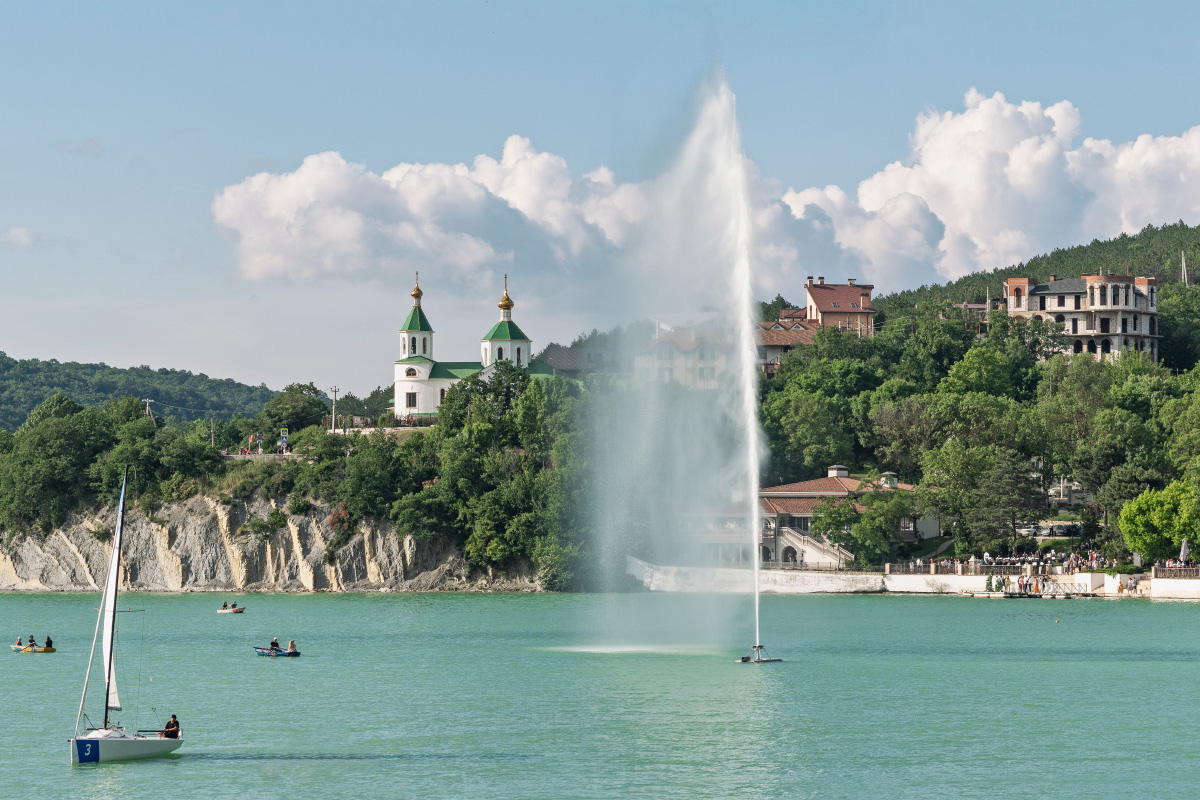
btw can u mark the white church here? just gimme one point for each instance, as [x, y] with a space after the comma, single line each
[421, 381]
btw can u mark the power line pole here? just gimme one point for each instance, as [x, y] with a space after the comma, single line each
[149, 413]
[212, 433]
[333, 417]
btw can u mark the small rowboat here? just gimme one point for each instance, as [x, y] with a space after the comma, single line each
[266, 651]
[28, 649]
[237, 610]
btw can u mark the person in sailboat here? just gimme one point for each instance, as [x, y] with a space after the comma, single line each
[170, 730]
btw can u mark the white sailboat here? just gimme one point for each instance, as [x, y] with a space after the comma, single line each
[112, 742]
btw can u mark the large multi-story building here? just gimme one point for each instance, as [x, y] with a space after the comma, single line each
[1102, 314]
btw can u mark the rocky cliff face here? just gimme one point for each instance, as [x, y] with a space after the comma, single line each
[202, 545]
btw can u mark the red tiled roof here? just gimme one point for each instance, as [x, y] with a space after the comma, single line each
[822, 486]
[793, 313]
[783, 338]
[797, 506]
[817, 485]
[790, 505]
[824, 295]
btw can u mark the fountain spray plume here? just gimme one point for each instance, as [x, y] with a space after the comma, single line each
[678, 453]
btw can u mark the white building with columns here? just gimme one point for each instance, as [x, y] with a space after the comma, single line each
[1105, 315]
[421, 380]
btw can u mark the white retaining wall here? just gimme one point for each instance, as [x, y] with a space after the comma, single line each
[1175, 588]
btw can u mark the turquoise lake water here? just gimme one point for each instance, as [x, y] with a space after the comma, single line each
[619, 696]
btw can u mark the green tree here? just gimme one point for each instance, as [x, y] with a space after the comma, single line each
[1156, 522]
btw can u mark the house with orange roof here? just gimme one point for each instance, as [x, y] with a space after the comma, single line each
[840, 305]
[788, 510]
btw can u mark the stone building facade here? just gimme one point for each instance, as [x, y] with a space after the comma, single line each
[1106, 315]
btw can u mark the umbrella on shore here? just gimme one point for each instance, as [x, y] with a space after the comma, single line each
[1183, 551]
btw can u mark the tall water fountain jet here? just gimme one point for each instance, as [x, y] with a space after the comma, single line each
[678, 453]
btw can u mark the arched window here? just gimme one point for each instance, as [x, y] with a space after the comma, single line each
[1060, 318]
[1091, 295]
[518, 356]
[499, 353]
[424, 344]
[1105, 346]
[1037, 317]
[1103, 295]
[410, 373]
[1091, 345]
[1078, 347]
[413, 347]
[1017, 297]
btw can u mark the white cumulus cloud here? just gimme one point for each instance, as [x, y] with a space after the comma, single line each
[19, 237]
[986, 186]
[1000, 182]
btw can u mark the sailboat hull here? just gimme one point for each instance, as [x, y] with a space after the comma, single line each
[123, 748]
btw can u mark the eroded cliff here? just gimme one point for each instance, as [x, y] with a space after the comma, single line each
[202, 545]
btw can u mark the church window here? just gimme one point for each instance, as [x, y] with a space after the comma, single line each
[404, 346]
[499, 353]
[424, 343]
[410, 400]
[442, 396]
[413, 347]
[410, 373]
[518, 356]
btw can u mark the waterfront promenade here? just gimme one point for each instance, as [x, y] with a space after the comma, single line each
[938, 578]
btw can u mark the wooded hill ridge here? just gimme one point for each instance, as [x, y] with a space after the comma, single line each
[1152, 252]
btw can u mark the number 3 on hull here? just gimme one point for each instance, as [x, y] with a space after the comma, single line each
[112, 742]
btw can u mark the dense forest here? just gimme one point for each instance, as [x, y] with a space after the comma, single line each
[188, 396]
[983, 424]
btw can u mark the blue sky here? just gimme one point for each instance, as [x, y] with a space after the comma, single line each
[121, 126]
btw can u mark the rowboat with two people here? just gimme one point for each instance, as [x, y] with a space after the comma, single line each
[230, 609]
[111, 741]
[273, 650]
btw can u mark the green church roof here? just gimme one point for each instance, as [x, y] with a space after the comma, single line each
[415, 360]
[417, 321]
[505, 329]
[454, 369]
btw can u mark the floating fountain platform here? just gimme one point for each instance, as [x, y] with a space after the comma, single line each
[758, 655]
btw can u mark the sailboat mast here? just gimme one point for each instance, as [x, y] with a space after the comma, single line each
[110, 601]
[87, 675]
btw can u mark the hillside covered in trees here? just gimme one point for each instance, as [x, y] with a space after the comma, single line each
[499, 474]
[26, 383]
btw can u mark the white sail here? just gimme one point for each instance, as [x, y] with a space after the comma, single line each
[110, 608]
